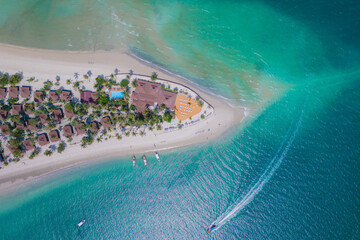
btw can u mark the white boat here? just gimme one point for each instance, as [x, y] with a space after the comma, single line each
[134, 161]
[144, 158]
[157, 156]
[81, 223]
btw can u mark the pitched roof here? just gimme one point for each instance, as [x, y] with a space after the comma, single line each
[16, 109]
[38, 96]
[43, 118]
[5, 129]
[25, 91]
[28, 145]
[106, 122]
[31, 127]
[54, 136]
[28, 108]
[65, 95]
[94, 127]
[12, 149]
[58, 114]
[148, 93]
[68, 131]
[19, 126]
[69, 114]
[13, 92]
[53, 96]
[89, 97]
[79, 130]
[42, 139]
[2, 93]
[3, 114]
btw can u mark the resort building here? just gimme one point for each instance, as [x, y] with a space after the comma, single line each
[16, 109]
[69, 113]
[54, 136]
[5, 129]
[28, 145]
[13, 92]
[65, 95]
[186, 107]
[3, 114]
[42, 139]
[53, 96]
[25, 91]
[38, 97]
[2, 93]
[28, 108]
[150, 94]
[94, 127]
[58, 114]
[43, 118]
[68, 131]
[31, 127]
[79, 129]
[106, 122]
[19, 126]
[89, 97]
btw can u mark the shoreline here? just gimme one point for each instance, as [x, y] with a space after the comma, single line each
[47, 64]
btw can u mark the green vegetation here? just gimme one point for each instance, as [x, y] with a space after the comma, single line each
[134, 83]
[34, 153]
[61, 147]
[15, 79]
[48, 153]
[124, 83]
[154, 76]
[167, 117]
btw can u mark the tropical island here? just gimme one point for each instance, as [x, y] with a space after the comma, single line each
[42, 121]
[59, 109]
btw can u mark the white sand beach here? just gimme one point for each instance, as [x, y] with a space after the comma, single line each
[47, 64]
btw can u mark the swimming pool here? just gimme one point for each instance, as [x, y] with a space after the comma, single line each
[116, 94]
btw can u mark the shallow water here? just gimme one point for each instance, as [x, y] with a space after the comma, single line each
[305, 54]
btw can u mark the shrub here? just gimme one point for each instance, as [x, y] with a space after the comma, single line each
[61, 147]
[132, 107]
[167, 116]
[124, 83]
[34, 153]
[48, 153]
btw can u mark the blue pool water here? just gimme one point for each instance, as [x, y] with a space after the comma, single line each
[116, 95]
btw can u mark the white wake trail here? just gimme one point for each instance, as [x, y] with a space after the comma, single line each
[264, 178]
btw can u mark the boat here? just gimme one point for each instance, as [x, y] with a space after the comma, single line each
[212, 228]
[134, 160]
[157, 156]
[144, 158]
[81, 223]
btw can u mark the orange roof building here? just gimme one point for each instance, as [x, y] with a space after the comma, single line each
[186, 107]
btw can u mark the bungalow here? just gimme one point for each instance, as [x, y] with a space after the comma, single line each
[13, 92]
[65, 96]
[3, 114]
[42, 139]
[68, 131]
[43, 118]
[25, 91]
[106, 122]
[53, 96]
[2, 93]
[28, 145]
[13, 149]
[20, 126]
[16, 109]
[149, 93]
[31, 127]
[79, 129]
[89, 97]
[29, 108]
[54, 136]
[5, 130]
[94, 127]
[69, 113]
[38, 97]
[58, 114]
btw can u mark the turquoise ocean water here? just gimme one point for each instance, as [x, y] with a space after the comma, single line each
[290, 173]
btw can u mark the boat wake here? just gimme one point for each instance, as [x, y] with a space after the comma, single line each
[235, 208]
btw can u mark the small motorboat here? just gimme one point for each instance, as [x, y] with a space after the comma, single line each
[145, 160]
[134, 160]
[157, 156]
[212, 228]
[81, 223]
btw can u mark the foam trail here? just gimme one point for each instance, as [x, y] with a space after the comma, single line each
[264, 178]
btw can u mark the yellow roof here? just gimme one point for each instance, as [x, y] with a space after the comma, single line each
[186, 107]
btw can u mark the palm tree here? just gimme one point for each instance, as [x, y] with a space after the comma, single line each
[142, 133]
